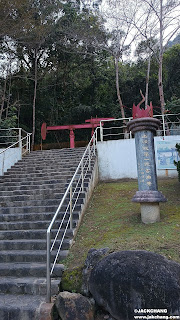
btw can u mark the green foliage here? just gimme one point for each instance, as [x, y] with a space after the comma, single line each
[177, 163]
[72, 280]
[173, 106]
[171, 68]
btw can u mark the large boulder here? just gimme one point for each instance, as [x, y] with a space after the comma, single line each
[126, 282]
[74, 306]
[93, 257]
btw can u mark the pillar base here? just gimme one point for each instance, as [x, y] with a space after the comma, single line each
[150, 212]
[151, 196]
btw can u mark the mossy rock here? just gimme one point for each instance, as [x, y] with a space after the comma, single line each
[72, 280]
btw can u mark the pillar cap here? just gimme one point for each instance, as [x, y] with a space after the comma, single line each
[144, 124]
[148, 196]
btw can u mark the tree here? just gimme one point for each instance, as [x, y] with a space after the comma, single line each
[171, 68]
[35, 21]
[143, 50]
[120, 43]
[153, 19]
[165, 16]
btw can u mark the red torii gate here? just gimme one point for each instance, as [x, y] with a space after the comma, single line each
[90, 123]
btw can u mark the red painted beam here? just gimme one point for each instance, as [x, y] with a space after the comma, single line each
[72, 126]
[97, 120]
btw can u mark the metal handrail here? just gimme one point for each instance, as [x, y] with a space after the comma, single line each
[22, 143]
[72, 195]
[165, 121]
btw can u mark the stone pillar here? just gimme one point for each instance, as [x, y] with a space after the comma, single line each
[148, 194]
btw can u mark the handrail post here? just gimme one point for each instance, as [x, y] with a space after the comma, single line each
[96, 136]
[4, 153]
[29, 143]
[20, 139]
[71, 219]
[48, 266]
[89, 157]
[130, 133]
[101, 131]
[164, 129]
[82, 174]
[94, 143]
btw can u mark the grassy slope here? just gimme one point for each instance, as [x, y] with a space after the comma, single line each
[113, 221]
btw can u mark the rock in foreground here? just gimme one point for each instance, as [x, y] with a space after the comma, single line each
[74, 306]
[128, 280]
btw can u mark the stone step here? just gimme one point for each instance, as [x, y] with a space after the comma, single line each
[44, 190]
[58, 187]
[61, 153]
[36, 174]
[29, 202]
[32, 170]
[35, 216]
[46, 162]
[28, 244]
[27, 286]
[58, 177]
[20, 307]
[30, 192]
[33, 234]
[37, 209]
[35, 168]
[34, 225]
[33, 182]
[50, 161]
[30, 256]
[36, 177]
[37, 183]
[34, 196]
[28, 269]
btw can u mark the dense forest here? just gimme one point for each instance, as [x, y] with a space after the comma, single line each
[60, 64]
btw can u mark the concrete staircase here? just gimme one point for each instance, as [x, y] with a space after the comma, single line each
[30, 193]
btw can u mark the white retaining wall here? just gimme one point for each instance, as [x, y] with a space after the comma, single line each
[9, 158]
[117, 159]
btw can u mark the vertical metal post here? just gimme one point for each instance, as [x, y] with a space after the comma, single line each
[20, 141]
[71, 219]
[89, 157]
[3, 155]
[82, 174]
[48, 268]
[96, 135]
[101, 131]
[130, 133]
[27, 143]
[94, 143]
[164, 129]
[29, 139]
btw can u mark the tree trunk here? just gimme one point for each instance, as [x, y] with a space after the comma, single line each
[160, 85]
[3, 99]
[9, 92]
[126, 135]
[117, 89]
[34, 101]
[160, 81]
[147, 81]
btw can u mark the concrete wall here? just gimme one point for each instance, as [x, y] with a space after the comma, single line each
[9, 158]
[117, 159]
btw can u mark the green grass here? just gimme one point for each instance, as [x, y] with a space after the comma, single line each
[113, 221]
